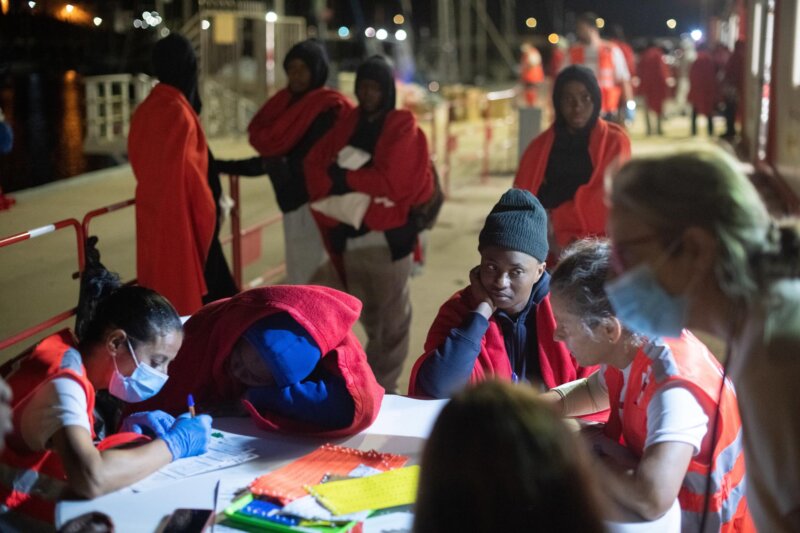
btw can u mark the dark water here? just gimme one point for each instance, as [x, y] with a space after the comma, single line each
[46, 112]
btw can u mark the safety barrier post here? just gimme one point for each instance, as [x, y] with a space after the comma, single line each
[32, 234]
[236, 231]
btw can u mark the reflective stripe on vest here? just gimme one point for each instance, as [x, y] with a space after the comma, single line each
[719, 521]
[604, 72]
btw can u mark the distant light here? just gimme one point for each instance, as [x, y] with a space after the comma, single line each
[398, 19]
[631, 104]
[369, 32]
[381, 34]
[205, 24]
[69, 8]
[672, 24]
[137, 23]
[433, 86]
[31, 4]
[696, 35]
[164, 32]
[271, 16]
[553, 38]
[344, 32]
[97, 21]
[70, 75]
[601, 23]
[400, 35]
[531, 22]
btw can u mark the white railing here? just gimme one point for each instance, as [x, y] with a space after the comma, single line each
[110, 101]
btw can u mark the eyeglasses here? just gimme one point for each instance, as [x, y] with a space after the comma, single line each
[620, 259]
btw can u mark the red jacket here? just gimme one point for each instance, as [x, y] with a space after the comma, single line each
[653, 73]
[703, 84]
[400, 169]
[688, 362]
[54, 357]
[175, 212]
[586, 214]
[281, 123]
[556, 363]
[328, 315]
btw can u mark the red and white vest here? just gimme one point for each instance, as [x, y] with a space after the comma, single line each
[609, 88]
[687, 361]
[31, 482]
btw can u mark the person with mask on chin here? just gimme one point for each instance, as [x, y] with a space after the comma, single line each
[373, 256]
[500, 326]
[664, 393]
[68, 392]
[283, 131]
[565, 166]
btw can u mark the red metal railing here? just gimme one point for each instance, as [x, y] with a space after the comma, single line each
[32, 234]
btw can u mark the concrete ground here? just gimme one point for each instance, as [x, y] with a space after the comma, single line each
[36, 276]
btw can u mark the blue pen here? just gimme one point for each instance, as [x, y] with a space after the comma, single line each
[190, 403]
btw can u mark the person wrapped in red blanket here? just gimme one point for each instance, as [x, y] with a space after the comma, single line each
[283, 131]
[373, 257]
[286, 354]
[565, 166]
[175, 211]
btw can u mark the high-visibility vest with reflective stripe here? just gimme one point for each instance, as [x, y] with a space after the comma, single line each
[32, 481]
[687, 361]
[605, 72]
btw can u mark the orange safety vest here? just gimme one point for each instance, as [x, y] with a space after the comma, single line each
[609, 88]
[31, 482]
[687, 361]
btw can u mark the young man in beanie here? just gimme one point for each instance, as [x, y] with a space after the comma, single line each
[501, 326]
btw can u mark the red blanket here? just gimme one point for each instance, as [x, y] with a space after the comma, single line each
[327, 314]
[586, 214]
[703, 85]
[175, 213]
[653, 73]
[281, 123]
[557, 364]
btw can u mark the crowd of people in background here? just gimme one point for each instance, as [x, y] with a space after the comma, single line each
[591, 270]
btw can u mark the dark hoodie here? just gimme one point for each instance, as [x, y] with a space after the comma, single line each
[570, 164]
[201, 369]
[175, 63]
[313, 55]
[377, 69]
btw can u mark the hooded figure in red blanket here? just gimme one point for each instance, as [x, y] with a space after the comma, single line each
[374, 259]
[654, 75]
[501, 325]
[175, 211]
[704, 91]
[286, 353]
[282, 132]
[565, 166]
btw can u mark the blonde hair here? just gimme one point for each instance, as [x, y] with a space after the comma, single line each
[706, 189]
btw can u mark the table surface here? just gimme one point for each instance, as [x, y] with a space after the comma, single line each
[402, 426]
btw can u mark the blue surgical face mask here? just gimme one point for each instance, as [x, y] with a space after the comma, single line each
[143, 384]
[643, 305]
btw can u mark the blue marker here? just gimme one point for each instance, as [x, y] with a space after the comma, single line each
[190, 403]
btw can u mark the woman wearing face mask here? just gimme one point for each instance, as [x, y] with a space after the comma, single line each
[694, 247]
[664, 398]
[283, 131]
[501, 325]
[63, 436]
[565, 165]
[374, 260]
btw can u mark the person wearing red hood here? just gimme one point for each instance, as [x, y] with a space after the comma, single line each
[175, 211]
[374, 259]
[285, 353]
[502, 325]
[703, 89]
[566, 165]
[654, 74]
[282, 132]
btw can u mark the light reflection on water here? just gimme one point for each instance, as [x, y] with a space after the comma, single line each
[47, 115]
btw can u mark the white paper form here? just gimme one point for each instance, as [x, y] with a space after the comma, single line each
[224, 450]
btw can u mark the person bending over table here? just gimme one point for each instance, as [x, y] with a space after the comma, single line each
[68, 391]
[502, 324]
[664, 396]
[284, 354]
[518, 469]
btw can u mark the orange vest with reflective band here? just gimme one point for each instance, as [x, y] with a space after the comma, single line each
[609, 88]
[687, 361]
[31, 481]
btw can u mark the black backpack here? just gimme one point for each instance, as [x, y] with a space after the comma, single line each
[423, 216]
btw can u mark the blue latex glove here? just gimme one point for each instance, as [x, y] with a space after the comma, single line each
[148, 423]
[188, 436]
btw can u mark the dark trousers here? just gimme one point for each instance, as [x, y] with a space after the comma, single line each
[730, 117]
[710, 122]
